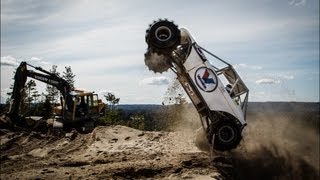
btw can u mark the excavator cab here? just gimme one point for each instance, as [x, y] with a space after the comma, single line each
[84, 109]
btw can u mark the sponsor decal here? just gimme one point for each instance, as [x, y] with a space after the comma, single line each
[206, 79]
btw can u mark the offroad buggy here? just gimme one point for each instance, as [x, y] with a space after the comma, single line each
[218, 93]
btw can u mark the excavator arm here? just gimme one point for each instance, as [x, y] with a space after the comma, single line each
[20, 79]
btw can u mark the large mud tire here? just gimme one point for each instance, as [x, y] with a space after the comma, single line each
[227, 136]
[163, 35]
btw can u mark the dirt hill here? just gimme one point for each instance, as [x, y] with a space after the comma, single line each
[276, 145]
[107, 152]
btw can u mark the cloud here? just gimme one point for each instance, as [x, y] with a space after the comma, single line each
[274, 79]
[161, 80]
[268, 81]
[259, 96]
[9, 61]
[297, 2]
[105, 92]
[245, 66]
[4, 94]
[38, 60]
[13, 62]
[29, 11]
[287, 77]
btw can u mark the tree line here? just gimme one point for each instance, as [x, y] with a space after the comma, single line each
[163, 118]
[34, 103]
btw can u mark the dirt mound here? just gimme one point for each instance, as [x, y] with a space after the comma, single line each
[107, 152]
[275, 146]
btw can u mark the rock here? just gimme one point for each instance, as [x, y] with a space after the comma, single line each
[186, 176]
[4, 157]
[178, 170]
[127, 138]
[71, 135]
[113, 140]
[5, 121]
[186, 163]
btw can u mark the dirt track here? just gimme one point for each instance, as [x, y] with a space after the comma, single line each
[108, 152]
[275, 146]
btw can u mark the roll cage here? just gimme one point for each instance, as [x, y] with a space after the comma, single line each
[238, 88]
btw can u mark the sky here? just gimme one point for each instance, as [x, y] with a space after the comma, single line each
[273, 44]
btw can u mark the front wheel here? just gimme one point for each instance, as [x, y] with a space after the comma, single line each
[227, 136]
[163, 34]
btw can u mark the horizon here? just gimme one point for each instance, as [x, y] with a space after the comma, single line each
[191, 103]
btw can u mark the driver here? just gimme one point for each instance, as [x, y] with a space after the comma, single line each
[228, 88]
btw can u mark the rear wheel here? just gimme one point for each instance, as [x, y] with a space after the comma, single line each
[163, 35]
[226, 134]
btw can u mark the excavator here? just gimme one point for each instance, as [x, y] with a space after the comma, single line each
[78, 109]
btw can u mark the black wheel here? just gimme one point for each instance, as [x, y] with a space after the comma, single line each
[163, 35]
[89, 126]
[227, 136]
[86, 127]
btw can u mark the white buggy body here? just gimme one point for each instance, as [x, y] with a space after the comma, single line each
[222, 107]
[213, 93]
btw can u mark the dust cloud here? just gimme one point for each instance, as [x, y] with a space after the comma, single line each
[157, 63]
[275, 146]
[175, 94]
[280, 142]
[282, 145]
